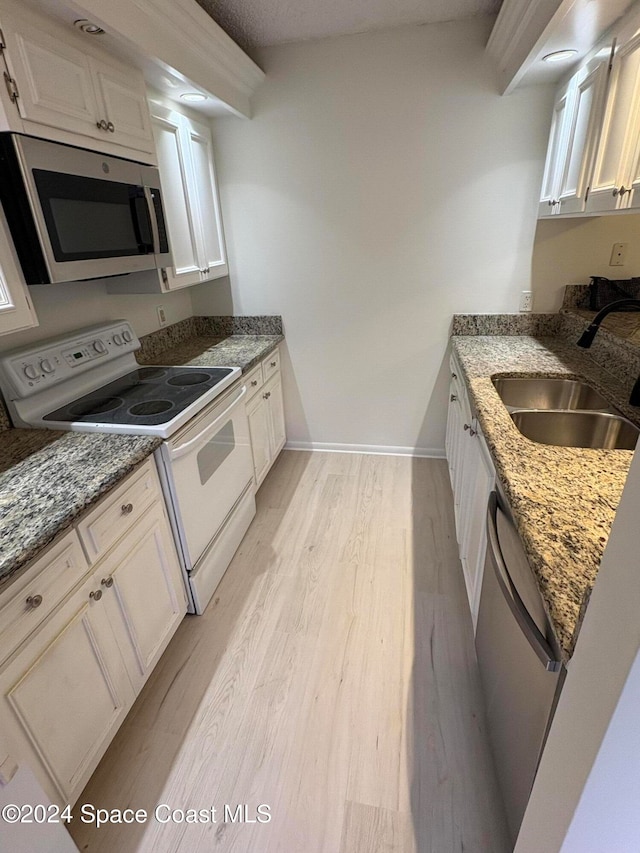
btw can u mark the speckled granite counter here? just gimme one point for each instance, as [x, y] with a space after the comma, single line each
[242, 351]
[563, 499]
[48, 478]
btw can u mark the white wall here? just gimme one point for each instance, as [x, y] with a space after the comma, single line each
[569, 251]
[585, 797]
[381, 186]
[64, 307]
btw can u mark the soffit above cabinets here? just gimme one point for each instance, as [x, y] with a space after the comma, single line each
[175, 43]
[527, 30]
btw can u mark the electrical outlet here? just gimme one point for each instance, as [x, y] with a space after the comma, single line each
[526, 300]
[162, 315]
[618, 254]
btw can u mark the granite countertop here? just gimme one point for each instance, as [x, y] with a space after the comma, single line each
[563, 499]
[48, 478]
[242, 351]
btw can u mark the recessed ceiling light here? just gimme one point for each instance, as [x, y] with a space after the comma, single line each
[193, 96]
[88, 28]
[559, 55]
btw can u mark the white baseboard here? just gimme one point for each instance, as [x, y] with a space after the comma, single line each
[374, 449]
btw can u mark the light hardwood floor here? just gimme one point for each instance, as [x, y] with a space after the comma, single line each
[332, 678]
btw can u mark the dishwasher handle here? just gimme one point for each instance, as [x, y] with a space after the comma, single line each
[534, 636]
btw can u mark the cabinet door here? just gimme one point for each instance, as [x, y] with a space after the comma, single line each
[584, 132]
[212, 249]
[556, 152]
[144, 593]
[54, 80]
[182, 223]
[258, 417]
[614, 162]
[64, 696]
[275, 404]
[16, 308]
[122, 103]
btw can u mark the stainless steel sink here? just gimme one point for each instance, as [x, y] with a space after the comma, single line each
[547, 393]
[577, 429]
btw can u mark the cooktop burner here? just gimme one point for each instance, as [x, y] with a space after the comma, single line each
[148, 396]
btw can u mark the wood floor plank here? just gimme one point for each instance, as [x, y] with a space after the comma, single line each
[332, 678]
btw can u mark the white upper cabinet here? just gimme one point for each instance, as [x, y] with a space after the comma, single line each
[575, 131]
[68, 88]
[16, 309]
[616, 162]
[194, 221]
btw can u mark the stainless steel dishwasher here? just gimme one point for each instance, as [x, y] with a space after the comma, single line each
[519, 661]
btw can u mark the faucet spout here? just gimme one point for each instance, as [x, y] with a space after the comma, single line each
[586, 339]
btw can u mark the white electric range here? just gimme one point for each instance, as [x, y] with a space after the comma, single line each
[89, 381]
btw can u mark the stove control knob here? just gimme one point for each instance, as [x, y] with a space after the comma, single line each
[46, 366]
[117, 339]
[99, 347]
[30, 372]
[128, 337]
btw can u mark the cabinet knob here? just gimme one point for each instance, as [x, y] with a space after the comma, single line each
[473, 431]
[254, 382]
[127, 509]
[454, 375]
[108, 582]
[267, 395]
[467, 427]
[620, 191]
[96, 594]
[453, 397]
[34, 601]
[111, 127]
[102, 124]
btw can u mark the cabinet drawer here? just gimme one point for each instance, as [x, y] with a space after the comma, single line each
[271, 364]
[119, 511]
[254, 381]
[28, 601]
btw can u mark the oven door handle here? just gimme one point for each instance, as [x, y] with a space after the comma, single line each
[182, 449]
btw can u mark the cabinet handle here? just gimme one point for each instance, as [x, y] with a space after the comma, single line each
[453, 397]
[267, 395]
[34, 601]
[127, 509]
[254, 382]
[102, 124]
[108, 582]
[96, 594]
[620, 191]
[111, 127]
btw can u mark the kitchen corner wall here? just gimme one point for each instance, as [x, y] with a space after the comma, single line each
[381, 186]
[569, 251]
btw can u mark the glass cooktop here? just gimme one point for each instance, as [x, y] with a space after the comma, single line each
[148, 396]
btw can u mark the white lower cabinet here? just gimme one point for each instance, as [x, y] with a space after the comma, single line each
[66, 687]
[265, 412]
[472, 479]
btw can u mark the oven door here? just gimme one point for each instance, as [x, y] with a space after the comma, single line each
[208, 466]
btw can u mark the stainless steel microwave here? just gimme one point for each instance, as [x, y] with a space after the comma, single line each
[76, 214]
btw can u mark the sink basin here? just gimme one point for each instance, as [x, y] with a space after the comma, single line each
[577, 429]
[549, 394]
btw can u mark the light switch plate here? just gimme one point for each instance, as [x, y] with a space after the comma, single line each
[162, 315]
[618, 254]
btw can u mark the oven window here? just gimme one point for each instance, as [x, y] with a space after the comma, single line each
[215, 451]
[92, 218]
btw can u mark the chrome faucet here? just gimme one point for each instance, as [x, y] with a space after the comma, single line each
[586, 338]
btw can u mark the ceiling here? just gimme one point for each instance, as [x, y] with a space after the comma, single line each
[258, 23]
